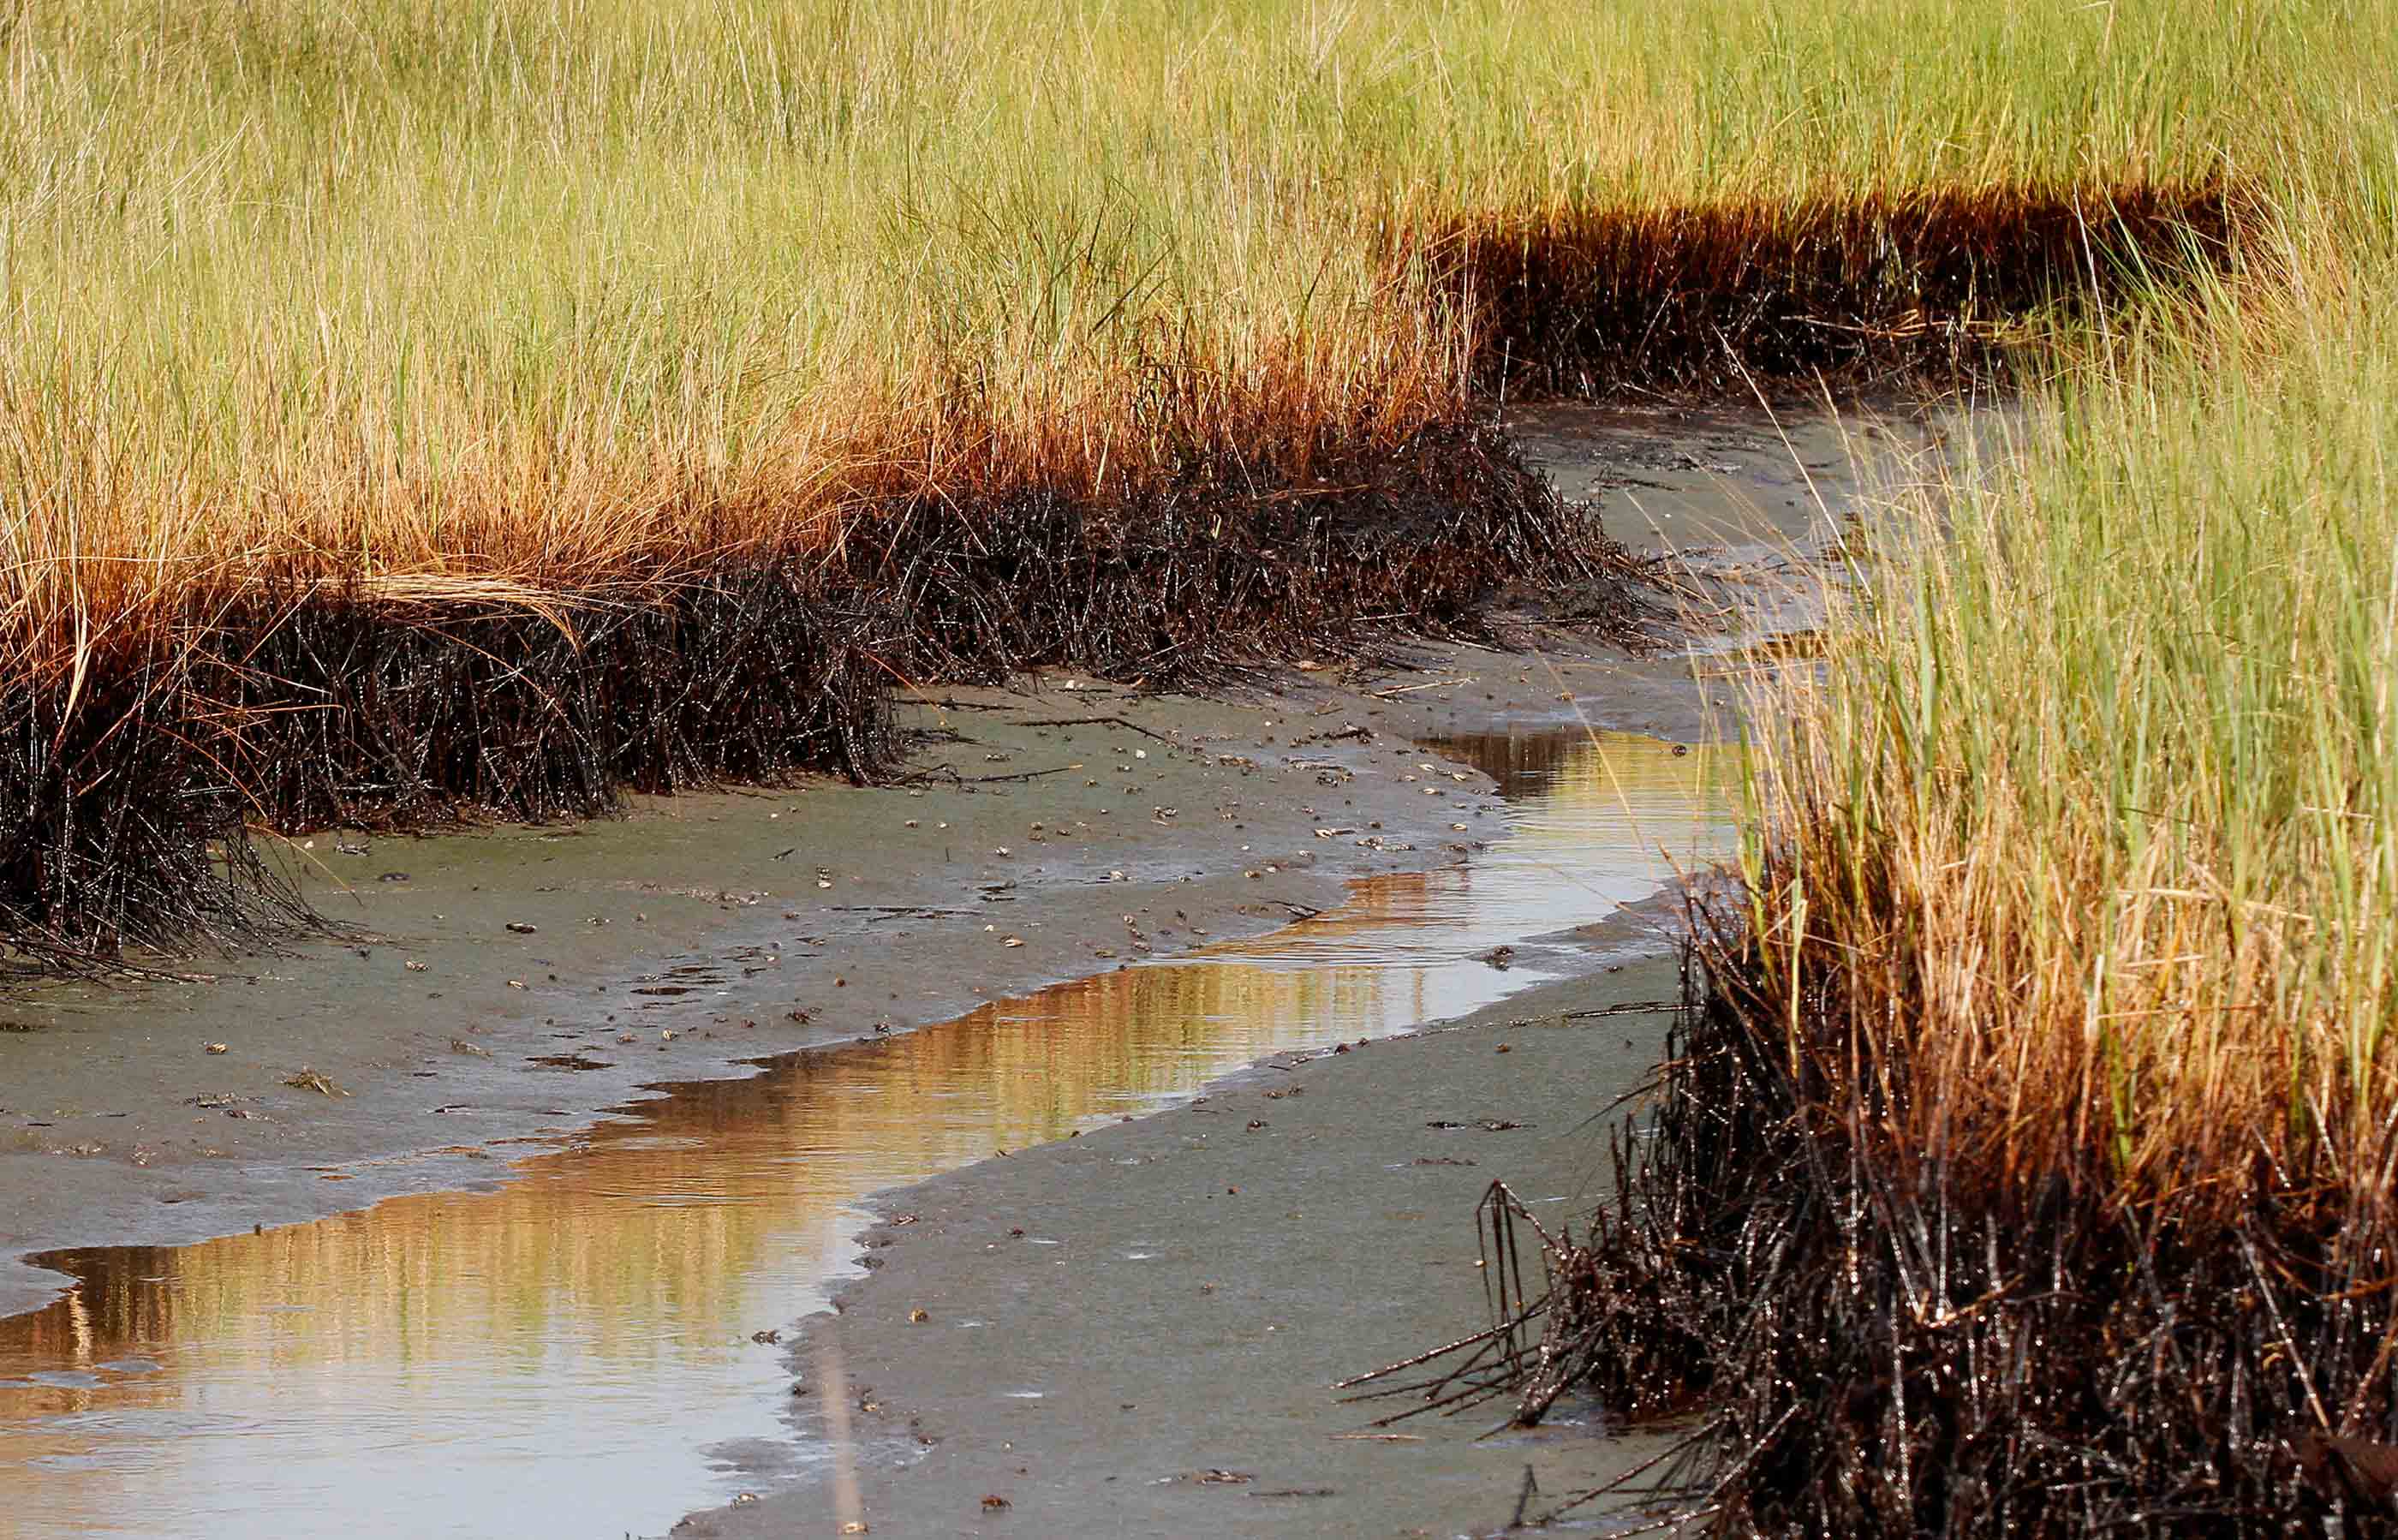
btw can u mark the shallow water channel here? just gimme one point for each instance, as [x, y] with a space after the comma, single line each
[571, 1350]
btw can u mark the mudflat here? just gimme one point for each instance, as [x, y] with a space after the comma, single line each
[1136, 1331]
[515, 983]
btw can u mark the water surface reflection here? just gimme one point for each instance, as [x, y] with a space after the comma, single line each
[571, 1352]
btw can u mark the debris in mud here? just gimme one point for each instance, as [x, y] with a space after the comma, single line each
[310, 1080]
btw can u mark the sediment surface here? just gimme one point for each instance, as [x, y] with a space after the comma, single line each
[1134, 1333]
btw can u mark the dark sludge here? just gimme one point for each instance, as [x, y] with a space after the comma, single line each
[1235, 560]
[312, 707]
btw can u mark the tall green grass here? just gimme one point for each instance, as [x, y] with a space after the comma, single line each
[2090, 825]
[505, 294]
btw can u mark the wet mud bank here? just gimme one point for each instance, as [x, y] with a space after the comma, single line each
[1135, 1332]
[518, 983]
[610, 1284]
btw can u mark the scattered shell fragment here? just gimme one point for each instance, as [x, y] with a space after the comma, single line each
[218, 1048]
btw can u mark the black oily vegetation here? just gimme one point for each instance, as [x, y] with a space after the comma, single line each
[1878, 1342]
[1231, 561]
[1718, 297]
[316, 707]
[301, 709]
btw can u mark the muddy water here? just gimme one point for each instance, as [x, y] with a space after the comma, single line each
[571, 1350]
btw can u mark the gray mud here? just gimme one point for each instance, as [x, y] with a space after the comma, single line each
[682, 941]
[1134, 1332]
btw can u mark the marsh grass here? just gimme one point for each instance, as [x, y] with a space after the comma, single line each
[2092, 817]
[2022, 1161]
[515, 297]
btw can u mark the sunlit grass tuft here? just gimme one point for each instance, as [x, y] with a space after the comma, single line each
[2089, 829]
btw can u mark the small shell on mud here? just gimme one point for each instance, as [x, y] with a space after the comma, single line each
[217, 1047]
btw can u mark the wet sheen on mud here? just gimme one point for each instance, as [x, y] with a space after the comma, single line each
[570, 1351]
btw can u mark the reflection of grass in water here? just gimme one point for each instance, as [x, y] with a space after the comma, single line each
[1669, 807]
[745, 1173]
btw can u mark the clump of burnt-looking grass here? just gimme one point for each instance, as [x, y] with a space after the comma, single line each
[299, 707]
[1874, 1341]
[1233, 558]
